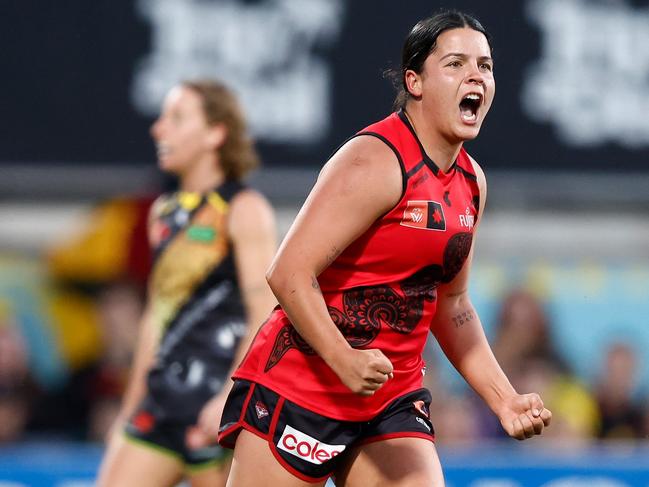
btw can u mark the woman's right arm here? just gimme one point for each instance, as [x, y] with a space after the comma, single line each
[359, 184]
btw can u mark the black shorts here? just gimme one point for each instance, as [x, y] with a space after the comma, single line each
[166, 437]
[309, 445]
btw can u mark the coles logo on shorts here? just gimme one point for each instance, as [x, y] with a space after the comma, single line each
[306, 447]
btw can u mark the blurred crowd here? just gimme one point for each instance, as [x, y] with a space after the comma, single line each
[89, 299]
[608, 408]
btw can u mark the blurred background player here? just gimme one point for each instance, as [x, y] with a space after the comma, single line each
[212, 240]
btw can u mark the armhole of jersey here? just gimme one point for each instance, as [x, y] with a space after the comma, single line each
[404, 175]
[229, 189]
[227, 192]
[477, 183]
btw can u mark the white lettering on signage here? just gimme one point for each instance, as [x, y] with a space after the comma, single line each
[271, 52]
[592, 78]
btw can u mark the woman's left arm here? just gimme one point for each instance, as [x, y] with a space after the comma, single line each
[252, 231]
[458, 330]
[254, 240]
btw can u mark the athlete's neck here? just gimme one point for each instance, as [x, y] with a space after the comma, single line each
[442, 152]
[203, 176]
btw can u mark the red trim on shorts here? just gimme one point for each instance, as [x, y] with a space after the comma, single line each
[390, 436]
[246, 401]
[278, 457]
[237, 427]
[223, 437]
[256, 432]
[241, 424]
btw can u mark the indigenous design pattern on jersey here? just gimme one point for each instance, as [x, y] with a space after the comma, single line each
[366, 309]
[195, 298]
[381, 291]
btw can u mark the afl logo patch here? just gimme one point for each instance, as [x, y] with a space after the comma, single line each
[427, 215]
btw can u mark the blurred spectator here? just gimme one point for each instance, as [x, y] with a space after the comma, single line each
[525, 350]
[94, 295]
[575, 414]
[113, 247]
[454, 413]
[523, 332]
[14, 379]
[621, 416]
[457, 418]
[644, 430]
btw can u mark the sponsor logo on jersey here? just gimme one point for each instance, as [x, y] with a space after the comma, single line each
[261, 409]
[200, 233]
[468, 219]
[306, 447]
[427, 215]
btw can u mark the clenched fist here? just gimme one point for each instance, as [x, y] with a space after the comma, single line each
[363, 371]
[523, 416]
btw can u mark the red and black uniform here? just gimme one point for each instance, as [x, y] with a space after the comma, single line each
[381, 292]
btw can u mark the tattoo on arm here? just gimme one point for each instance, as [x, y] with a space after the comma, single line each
[462, 318]
[314, 283]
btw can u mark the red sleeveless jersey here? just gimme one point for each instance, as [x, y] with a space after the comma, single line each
[381, 291]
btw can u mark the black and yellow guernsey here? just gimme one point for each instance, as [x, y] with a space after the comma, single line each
[195, 297]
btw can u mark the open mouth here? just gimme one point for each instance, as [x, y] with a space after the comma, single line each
[469, 106]
[162, 150]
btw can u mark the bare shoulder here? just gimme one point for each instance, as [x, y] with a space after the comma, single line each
[250, 214]
[364, 167]
[364, 152]
[480, 175]
[482, 185]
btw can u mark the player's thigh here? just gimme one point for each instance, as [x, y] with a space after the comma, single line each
[212, 476]
[254, 465]
[129, 464]
[397, 462]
